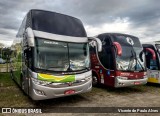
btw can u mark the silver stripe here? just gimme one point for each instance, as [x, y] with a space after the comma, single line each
[60, 37]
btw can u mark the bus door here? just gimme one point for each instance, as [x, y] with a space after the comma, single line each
[106, 71]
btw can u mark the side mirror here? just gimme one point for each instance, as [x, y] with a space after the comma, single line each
[158, 50]
[30, 36]
[152, 52]
[118, 47]
[141, 55]
[96, 42]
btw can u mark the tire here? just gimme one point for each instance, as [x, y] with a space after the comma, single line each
[94, 81]
[22, 85]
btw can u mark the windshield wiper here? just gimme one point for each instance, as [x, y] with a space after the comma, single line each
[140, 65]
[134, 56]
[131, 61]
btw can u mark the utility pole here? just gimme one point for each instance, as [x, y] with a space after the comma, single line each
[7, 62]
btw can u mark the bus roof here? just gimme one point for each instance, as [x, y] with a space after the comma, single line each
[105, 34]
[151, 43]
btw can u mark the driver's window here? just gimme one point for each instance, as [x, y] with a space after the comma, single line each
[151, 64]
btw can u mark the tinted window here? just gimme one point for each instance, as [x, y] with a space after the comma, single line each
[131, 50]
[57, 23]
[126, 40]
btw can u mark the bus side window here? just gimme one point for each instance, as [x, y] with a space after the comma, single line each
[28, 58]
[25, 57]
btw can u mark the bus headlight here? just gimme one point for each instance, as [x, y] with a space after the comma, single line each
[85, 79]
[88, 78]
[39, 82]
[145, 76]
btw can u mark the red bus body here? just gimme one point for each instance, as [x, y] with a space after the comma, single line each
[112, 76]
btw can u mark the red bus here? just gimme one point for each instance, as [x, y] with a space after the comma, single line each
[121, 62]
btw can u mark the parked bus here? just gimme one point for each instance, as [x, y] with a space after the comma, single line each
[50, 56]
[152, 54]
[120, 63]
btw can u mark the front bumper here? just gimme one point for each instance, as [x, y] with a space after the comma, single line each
[51, 92]
[125, 83]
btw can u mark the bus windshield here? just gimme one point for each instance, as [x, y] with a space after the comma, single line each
[131, 50]
[61, 56]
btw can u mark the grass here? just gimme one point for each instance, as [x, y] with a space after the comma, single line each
[5, 80]
[10, 94]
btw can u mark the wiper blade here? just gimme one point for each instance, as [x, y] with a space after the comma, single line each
[137, 61]
[140, 65]
[131, 62]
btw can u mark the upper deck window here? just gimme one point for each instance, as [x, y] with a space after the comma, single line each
[57, 23]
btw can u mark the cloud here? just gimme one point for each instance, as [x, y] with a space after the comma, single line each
[140, 18]
[120, 25]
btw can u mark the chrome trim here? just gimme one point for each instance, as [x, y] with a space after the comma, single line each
[75, 83]
[57, 37]
[127, 83]
[30, 34]
[49, 92]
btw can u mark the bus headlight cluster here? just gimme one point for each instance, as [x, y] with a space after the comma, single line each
[39, 82]
[88, 78]
[145, 76]
[123, 78]
[39, 92]
[85, 79]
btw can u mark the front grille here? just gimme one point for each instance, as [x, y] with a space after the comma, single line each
[67, 84]
[135, 78]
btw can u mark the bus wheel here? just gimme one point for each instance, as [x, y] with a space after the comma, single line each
[94, 80]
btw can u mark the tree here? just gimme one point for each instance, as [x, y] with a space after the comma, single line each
[6, 53]
[1, 45]
[1, 48]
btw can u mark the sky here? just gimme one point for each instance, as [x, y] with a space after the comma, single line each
[140, 18]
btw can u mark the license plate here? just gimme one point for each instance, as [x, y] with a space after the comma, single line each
[69, 92]
[136, 83]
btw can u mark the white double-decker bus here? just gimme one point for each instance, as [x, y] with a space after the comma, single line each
[50, 56]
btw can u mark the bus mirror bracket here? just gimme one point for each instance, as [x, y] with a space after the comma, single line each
[98, 43]
[141, 55]
[118, 48]
[30, 36]
[152, 52]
